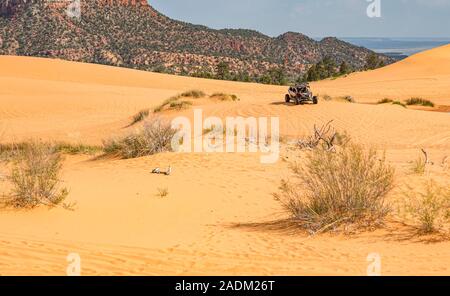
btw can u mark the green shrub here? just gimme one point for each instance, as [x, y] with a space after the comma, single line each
[419, 102]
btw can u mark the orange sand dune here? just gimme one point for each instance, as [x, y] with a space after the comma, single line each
[425, 75]
[204, 225]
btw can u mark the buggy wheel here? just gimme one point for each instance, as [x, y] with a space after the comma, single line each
[297, 101]
[315, 100]
[287, 98]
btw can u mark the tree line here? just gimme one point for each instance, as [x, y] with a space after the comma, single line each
[326, 68]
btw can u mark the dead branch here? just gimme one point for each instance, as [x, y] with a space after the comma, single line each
[427, 161]
[325, 134]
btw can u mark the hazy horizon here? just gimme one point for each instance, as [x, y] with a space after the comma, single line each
[317, 18]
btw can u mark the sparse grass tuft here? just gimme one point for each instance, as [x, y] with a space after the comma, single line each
[224, 97]
[7, 151]
[34, 176]
[180, 105]
[140, 116]
[419, 102]
[154, 137]
[327, 98]
[346, 188]
[385, 101]
[173, 103]
[166, 103]
[162, 192]
[399, 103]
[418, 166]
[76, 149]
[430, 209]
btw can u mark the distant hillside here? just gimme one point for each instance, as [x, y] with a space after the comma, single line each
[131, 33]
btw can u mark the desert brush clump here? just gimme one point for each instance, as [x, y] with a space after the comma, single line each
[345, 188]
[348, 99]
[419, 102]
[385, 101]
[224, 97]
[34, 176]
[195, 93]
[428, 208]
[155, 136]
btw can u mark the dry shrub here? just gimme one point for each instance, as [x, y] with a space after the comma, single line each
[34, 176]
[429, 208]
[345, 188]
[154, 137]
[324, 137]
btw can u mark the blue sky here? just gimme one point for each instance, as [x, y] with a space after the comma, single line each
[316, 18]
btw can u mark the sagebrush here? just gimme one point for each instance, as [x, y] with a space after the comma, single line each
[342, 188]
[35, 176]
[429, 208]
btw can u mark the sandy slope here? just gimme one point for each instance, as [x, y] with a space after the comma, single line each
[205, 224]
[425, 75]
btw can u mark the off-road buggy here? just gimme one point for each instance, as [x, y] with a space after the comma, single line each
[301, 94]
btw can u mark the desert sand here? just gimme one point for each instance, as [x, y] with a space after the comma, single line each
[214, 219]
